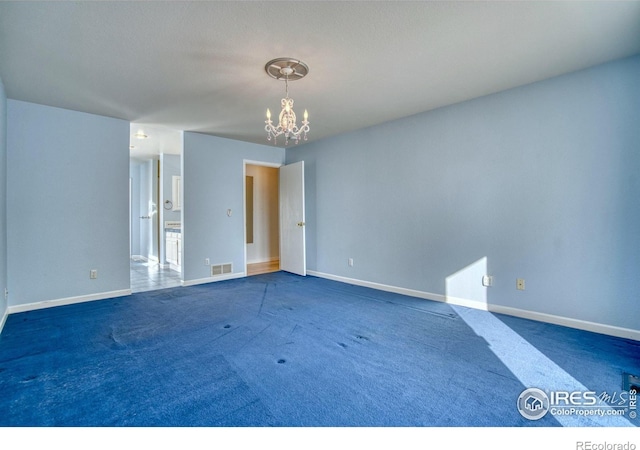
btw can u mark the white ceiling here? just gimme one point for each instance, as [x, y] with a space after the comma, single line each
[159, 139]
[199, 66]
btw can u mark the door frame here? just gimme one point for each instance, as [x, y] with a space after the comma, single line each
[248, 162]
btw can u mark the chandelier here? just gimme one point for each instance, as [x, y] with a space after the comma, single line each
[286, 69]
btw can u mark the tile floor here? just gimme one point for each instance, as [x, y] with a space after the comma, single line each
[148, 276]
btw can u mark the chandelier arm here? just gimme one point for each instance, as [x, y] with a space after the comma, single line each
[286, 124]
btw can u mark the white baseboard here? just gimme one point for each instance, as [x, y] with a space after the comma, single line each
[594, 327]
[229, 276]
[67, 301]
[379, 286]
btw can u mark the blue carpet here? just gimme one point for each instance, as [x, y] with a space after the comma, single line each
[287, 351]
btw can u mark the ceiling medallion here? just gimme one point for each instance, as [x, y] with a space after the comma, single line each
[287, 69]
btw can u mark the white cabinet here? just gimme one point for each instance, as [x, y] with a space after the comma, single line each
[173, 247]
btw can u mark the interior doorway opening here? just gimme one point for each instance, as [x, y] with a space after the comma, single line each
[155, 208]
[262, 221]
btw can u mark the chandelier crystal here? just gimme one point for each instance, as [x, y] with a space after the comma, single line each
[287, 69]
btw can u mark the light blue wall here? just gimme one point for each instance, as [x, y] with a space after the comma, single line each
[143, 207]
[143, 241]
[3, 202]
[543, 181]
[67, 203]
[213, 178]
[539, 182]
[134, 175]
[170, 165]
[146, 209]
[154, 210]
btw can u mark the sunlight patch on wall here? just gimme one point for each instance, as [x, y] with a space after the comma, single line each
[466, 284]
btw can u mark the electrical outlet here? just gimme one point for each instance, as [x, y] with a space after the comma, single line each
[520, 284]
[350, 262]
[93, 274]
[487, 280]
[206, 262]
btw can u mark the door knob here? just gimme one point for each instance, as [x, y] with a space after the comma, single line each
[300, 224]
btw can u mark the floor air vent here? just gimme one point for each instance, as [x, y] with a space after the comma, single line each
[221, 269]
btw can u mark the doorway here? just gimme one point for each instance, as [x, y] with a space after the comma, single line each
[155, 211]
[262, 222]
[153, 221]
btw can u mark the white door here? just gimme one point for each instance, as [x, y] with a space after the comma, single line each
[292, 234]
